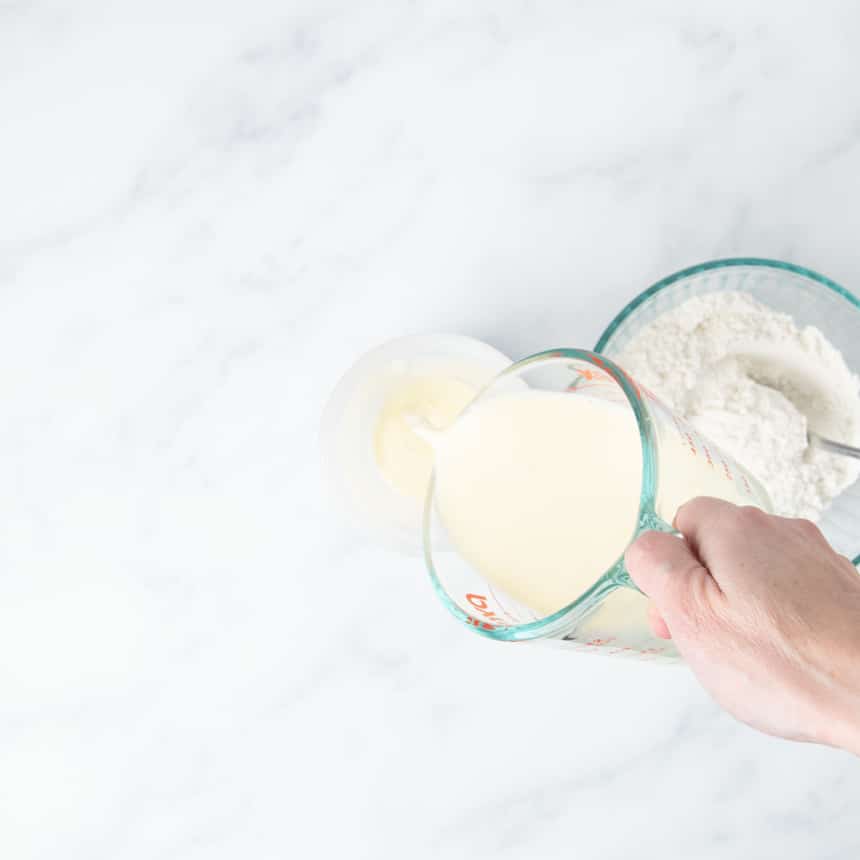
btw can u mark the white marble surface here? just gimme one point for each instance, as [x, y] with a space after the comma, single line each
[207, 210]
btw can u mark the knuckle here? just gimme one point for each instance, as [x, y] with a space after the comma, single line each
[689, 511]
[746, 518]
[700, 509]
[808, 529]
[752, 514]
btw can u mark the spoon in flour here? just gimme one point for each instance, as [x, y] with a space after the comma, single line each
[832, 446]
[792, 378]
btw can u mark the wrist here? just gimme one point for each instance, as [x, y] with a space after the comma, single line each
[845, 734]
[839, 722]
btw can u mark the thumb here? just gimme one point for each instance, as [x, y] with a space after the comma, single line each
[667, 570]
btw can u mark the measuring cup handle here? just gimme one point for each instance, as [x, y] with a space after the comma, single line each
[648, 522]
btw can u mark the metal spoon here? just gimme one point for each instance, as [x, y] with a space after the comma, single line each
[831, 446]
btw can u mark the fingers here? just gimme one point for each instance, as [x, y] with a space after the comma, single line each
[728, 540]
[665, 568]
[701, 517]
[658, 625]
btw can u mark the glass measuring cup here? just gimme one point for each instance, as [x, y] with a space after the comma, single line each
[677, 464]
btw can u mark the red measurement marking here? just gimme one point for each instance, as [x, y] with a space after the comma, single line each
[631, 381]
[480, 602]
[597, 642]
[686, 437]
[476, 622]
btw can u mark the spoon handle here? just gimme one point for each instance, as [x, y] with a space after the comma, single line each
[833, 447]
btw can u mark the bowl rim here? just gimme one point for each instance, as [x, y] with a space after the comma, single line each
[713, 265]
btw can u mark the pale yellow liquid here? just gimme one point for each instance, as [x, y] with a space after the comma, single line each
[411, 417]
[540, 491]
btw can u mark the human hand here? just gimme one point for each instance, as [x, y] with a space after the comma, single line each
[766, 614]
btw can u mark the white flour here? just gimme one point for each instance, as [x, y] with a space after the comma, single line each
[749, 379]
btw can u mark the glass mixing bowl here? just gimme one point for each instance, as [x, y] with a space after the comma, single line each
[810, 298]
